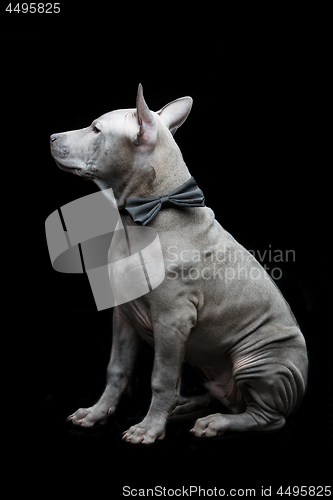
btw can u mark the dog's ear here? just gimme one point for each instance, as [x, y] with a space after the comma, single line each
[175, 113]
[147, 133]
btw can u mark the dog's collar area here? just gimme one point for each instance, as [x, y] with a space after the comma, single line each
[143, 210]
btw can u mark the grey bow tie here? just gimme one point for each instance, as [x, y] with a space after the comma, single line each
[143, 210]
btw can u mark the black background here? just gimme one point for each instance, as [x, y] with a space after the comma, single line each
[253, 142]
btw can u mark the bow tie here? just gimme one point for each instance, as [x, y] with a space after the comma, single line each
[143, 210]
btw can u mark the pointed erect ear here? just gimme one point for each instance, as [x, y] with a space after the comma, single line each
[147, 133]
[175, 113]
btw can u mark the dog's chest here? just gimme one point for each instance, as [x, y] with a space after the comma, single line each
[138, 315]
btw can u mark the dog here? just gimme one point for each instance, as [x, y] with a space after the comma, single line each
[216, 308]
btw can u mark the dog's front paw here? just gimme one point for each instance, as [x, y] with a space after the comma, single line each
[146, 432]
[87, 417]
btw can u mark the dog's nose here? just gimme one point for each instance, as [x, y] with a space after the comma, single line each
[53, 137]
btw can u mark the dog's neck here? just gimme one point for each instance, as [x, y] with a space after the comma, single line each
[154, 176]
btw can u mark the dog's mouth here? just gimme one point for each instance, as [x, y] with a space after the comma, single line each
[63, 161]
[58, 151]
[67, 163]
[68, 166]
[74, 169]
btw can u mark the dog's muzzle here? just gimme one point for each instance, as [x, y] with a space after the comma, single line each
[58, 149]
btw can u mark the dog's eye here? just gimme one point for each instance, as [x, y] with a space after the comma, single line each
[96, 130]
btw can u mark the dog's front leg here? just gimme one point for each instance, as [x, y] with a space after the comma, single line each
[125, 348]
[170, 341]
[169, 354]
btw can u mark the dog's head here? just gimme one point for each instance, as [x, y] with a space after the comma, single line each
[116, 143]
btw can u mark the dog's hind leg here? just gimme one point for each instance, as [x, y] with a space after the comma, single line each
[218, 423]
[269, 399]
[194, 407]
